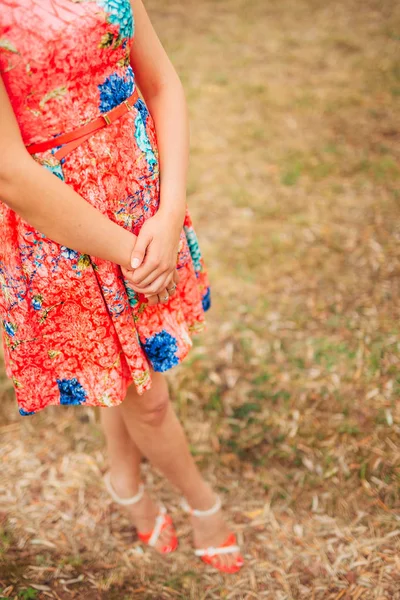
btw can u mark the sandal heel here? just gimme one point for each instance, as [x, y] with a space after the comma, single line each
[163, 520]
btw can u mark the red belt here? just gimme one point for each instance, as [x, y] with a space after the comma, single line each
[77, 136]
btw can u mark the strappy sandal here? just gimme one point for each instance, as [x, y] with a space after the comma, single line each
[163, 521]
[229, 546]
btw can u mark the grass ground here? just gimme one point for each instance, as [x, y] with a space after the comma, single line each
[291, 399]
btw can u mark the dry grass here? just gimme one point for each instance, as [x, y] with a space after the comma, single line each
[291, 399]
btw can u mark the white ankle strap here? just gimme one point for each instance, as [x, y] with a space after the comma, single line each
[211, 551]
[116, 498]
[201, 513]
[160, 519]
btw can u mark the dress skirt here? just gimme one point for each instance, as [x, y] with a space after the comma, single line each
[74, 332]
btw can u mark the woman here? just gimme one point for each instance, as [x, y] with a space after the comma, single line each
[102, 281]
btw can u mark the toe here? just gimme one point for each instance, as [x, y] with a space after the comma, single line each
[228, 563]
[167, 542]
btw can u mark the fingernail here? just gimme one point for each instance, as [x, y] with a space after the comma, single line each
[135, 262]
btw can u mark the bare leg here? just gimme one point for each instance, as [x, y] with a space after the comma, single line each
[124, 459]
[154, 426]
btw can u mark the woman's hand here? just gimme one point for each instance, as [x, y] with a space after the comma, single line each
[163, 296]
[154, 257]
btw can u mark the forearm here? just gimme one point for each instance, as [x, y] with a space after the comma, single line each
[169, 111]
[56, 210]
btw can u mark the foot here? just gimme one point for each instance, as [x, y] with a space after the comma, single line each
[213, 531]
[143, 514]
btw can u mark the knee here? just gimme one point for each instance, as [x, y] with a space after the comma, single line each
[154, 413]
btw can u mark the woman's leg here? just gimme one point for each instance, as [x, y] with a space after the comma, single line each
[124, 459]
[155, 428]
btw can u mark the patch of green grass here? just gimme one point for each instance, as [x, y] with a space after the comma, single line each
[348, 428]
[306, 99]
[215, 403]
[383, 169]
[291, 173]
[329, 352]
[75, 561]
[28, 594]
[261, 378]
[5, 541]
[43, 559]
[244, 410]
[298, 362]
[183, 581]
[260, 394]
[221, 79]
[363, 470]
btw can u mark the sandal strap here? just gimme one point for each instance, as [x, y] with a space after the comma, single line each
[158, 527]
[116, 498]
[211, 551]
[201, 513]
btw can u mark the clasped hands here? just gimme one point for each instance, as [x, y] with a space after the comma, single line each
[152, 268]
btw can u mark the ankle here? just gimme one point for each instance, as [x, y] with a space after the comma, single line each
[204, 498]
[125, 483]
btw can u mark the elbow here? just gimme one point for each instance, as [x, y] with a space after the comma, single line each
[6, 186]
[167, 84]
[12, 173]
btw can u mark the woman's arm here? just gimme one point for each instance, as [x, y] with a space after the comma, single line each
[51, 206]
[164, 95]
[165, 98]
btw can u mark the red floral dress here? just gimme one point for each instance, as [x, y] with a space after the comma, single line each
[74, 332]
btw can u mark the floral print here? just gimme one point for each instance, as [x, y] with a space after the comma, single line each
[120, 13]
[9, 328]
[74, 331]
[71, 391]
[143, 141]
[194, 248]
[161, 349]
[115, 90]
[206, 300]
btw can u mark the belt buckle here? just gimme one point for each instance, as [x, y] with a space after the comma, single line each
[106, 118]
[128, 106]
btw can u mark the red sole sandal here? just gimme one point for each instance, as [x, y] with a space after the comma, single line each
[229, 546]
[162, 522]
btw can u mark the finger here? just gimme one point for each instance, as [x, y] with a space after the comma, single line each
[175, 279]
[171, 285]
[152, 300]
[140, 248]
[155, 287]
[128, 276]
[169, 281]
[148, 272]
[163, 296]
[131, 276]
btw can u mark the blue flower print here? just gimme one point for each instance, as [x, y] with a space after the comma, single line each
[68, 253]
[116, 89]
[120, 14]
[161, 350]
[9, 328]
[71, 391]
[194, 247]
[142, 108]
[206, 301]
[57, 168]
[132, 295]
[37, 302]
[143, 141]
[25, 413]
